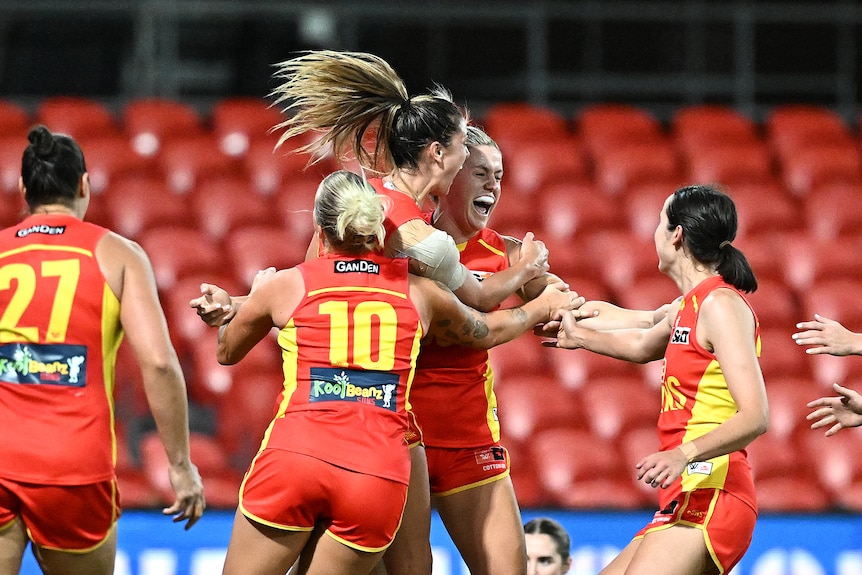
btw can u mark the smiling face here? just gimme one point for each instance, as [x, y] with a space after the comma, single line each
[465, 210]
[543, 558]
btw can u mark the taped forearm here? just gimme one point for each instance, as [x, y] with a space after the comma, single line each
[440, 259]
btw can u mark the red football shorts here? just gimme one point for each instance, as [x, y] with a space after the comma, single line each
[454, 470]
[74, 518]
[726, 521]
[292, 491]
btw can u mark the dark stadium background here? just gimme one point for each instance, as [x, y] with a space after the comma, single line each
[561, 58]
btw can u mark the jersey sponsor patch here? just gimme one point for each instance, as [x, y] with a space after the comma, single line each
[49, 364]
[376, 388]
[356, 267]
[41, 229]
[491, 458]
[680, 335]
[700, 468]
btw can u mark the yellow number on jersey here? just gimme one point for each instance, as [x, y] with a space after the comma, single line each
[24, 276]
[363, 325]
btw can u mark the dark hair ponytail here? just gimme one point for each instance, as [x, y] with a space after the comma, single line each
[709, 224]
[51, 167]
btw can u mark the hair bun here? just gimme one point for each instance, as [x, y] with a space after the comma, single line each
[42, 140]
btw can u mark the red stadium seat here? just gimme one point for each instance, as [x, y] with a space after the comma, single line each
[809, 262]
[730, 163]
[221, 482]
[838, 466]
[14, 120]
[784, 477]
[109, 158]
[614, 404]
[582, 471]
[138, 203]
[833, 211]
[237, 121]
[511, 124]
[626, 258]
[641, 205]
[650, 293]
[571, 209]
[775, 304]
[532, 401]
[523, 354]
[77, 117]
[603, 127]
[135, 489]
[294, 207]
[187, 160]
[764, 208]
[808, 167]
[533, 165]
[245, 411]
[634, 444]
[209, 381]
[180, 252]
[788, 398]
[11, 151]
[700, 126]
[568, 258]
[253, 248]
[780, 356]
[575, 369]
[149, 122]
[269, 169]
[584, 283]
[836, 300]
[759, 250]
[223, 204]
[791, 126]
[525, 477]
[628, 164]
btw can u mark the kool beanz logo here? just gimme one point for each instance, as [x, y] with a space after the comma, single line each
[356, 267]
[43, 364]
[375, 388]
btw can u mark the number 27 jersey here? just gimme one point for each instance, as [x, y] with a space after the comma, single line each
[59, 334]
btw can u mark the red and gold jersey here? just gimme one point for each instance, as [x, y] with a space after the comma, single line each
[696, 400]
[402, 208]
[349, 353]
[453, 392]
[59, 334]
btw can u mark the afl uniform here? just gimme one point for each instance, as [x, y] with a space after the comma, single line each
[453, 395]
[59, 334]
[349, 353]
[716, 495]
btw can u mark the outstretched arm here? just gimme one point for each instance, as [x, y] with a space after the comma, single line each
[273, 297]
[637, 345]
[453, 323]
[826, 335]
[839, 412]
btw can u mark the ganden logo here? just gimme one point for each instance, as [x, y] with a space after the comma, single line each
[356, 267]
